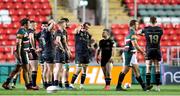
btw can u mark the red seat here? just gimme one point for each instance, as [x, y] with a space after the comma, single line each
[177, 26]
[121, 43]
[30, 12]
[1, 49]
[42, 18]
[71, 43]
[28, 5]
[155, 1]
[129, 1]
[15, 18]
[3, 37]
[9, 5]
[167, 26]
[43, 1]
[71, 37]
[119, 37]
[46, 6]
[7, 1]
[116, 31]
[13, 12]
[146, 1]
[165, 37]
[21, 12]
[1, 56]
[18, 5]
[174, 2]
[123, 26]
[37, 6]
[131, 13]
[72, 49]
[10, 57]
[130, 6]
[174, 37]
[165, 2]
[114, 26]
[16, 25]
[7, 49]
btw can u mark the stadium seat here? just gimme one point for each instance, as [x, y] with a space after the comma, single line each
[71, 43]
[19, 6]
[4, 12]
[28, 6]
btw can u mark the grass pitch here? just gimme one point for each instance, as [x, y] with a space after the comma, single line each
[135, 90]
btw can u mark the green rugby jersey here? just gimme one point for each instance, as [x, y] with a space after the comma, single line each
[128, 44]
[23, 34]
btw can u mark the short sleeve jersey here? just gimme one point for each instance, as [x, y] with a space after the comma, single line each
[23, 34]
[82, 41]
[153, 36]
[106, 47]
[63, 35]
[128, 41]
[48, 42]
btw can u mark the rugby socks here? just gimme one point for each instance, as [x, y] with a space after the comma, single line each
[66, 84]
[60, 84]
[34, 76]
[157, 78]
[8, 80]
[139, 79]
[45, 84]
[108, 81]
[14, 81]
[148, 79]
[83, 77]
[120, 80]
[56, 82]
[73, 78]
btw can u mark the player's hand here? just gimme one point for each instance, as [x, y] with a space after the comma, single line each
[98, 59]
[38, 50]
[111, 60]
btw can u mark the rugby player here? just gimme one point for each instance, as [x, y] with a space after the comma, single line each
[82, 46]
[104, 55]
[130, 57]
[153, 34]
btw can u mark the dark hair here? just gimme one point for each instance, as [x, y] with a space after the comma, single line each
[65, 19]
[44, 22]
[132, 23]
[61, 21]
[24, 21]
[32, 21]
[153, 19]
[86, 23]
[106, 30]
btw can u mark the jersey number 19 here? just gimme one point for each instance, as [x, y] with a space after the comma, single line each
[154, 39]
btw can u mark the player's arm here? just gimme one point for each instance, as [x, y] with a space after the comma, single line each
[58, 41]
[19, 46]
[76, 31]
[32, 41]
[52, 23]
[140, 32]
[97, 55]
[135, 44]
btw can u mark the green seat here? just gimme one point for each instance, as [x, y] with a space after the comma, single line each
[141, 7]
[168, 7]
[150, 7]
[143, 13]
[177, 13]
[152, 13]
[159, 7]
[170, 13]
[176, 7]
[161, 13]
